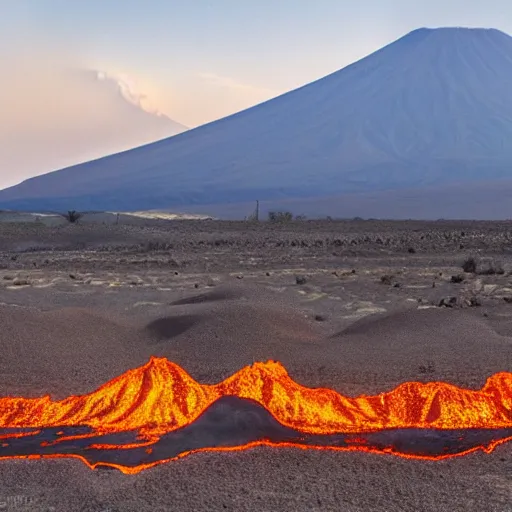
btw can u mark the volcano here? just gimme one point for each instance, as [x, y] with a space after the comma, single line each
[430, 110]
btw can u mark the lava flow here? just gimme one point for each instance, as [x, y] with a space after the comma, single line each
[160, 398]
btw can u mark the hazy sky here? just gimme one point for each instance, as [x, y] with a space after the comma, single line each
[198, 60]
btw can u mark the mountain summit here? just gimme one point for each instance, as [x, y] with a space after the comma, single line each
[432, 108]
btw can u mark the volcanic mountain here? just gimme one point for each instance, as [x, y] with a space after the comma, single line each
[432, 109]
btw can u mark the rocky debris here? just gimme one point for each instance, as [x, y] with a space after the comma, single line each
[457, 279]
[386, 279]
[449, 302]
[346, 273]
[460, 302]
[473, 302]
[300, 280]
[18, 281]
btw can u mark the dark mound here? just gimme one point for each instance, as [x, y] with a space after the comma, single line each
[431, 344]
[215, 296]
[63, 352]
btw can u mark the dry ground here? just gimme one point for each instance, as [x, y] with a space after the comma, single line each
[357, 306]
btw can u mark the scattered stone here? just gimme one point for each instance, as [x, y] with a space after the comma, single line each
[478, 285]
[210, 282]
[300, 280]
[434, 284]
[18, 281]
[411, 250]
[457, 279]
[397, 285]
[176, 273]
[196, 285]
[473, 302]
[490, 288]
[320, 318]
[508, 300]
[267, 274]
[448, 302]
[386, 279]
[240, 276]
[72, 276]
[8, 278]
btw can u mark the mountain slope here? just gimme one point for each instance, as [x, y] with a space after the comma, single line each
[429, 109]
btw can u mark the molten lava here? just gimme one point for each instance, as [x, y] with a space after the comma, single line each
[161, 397]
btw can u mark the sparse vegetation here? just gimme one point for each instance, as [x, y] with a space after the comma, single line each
[487, 268]
[386, 279]
[280, 216]
[470, 265]
[72, 216]
[491, 268]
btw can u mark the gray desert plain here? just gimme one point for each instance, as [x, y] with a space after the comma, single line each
[356, 306]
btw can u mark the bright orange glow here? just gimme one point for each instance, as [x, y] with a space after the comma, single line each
[160, 397]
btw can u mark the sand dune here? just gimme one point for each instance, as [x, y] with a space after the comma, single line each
[75, 350]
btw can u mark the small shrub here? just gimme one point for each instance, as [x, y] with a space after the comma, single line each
[470, 266]
[72, 216]
[280, 216]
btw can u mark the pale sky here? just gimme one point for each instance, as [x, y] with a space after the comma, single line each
[193, 60]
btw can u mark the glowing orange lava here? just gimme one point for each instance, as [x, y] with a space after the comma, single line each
[160, 397]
